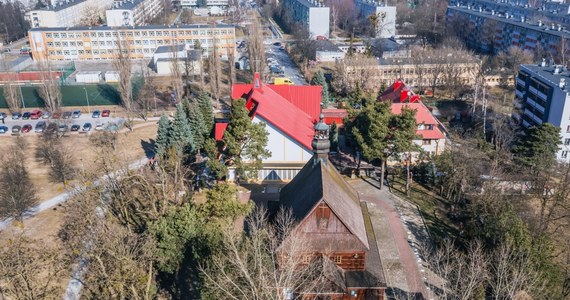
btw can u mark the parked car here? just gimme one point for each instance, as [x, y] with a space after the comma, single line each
[277, 44]
[86, 127]
[40, 126]
[96, 114]
[3, 129]
[62, 128]
[76, 114]
[26, 128]
[16, 116]
[45, 115]
[26, 115]
[67, 114]
[56, 115]
[3, 115]
[16, 129]
[75, 127]
[105, 113]
[35, 114]
[99, 126]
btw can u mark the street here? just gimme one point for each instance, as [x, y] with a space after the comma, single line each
[83, 118]
[285, 62]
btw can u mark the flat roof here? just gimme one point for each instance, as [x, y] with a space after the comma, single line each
[126, 4]
[60, 6]
[547, 73]
[149, 27]
[169, 49]
[516, 22]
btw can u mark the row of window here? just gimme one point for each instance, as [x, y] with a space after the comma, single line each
[220, 42]
[97, 51]
[138, 33]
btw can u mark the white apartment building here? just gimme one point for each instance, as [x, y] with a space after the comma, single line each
[102, 42]
[542, 96]
[133, 12]
[311, 14]
[386, 14]
[67, 13]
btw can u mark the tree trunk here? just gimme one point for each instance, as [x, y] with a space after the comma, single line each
[382, 170]
[408, 177]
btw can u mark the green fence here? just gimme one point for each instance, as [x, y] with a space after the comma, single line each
[72, 95]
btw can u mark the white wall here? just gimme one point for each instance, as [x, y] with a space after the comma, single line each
[319, 21]
[283, 148]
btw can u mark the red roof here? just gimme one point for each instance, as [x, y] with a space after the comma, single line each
[334, 115]
[26, 76]
[423, 116]
[292, 109]
[399, 93]
[219, 130]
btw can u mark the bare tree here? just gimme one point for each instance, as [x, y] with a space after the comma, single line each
[62, 167]
[563, 50]
[91, 16]
[50, 86]
[356, 70]
[29, 271]
[256, 49]
[215, 70]
[122, 64]
[13, 96]
[269, 260]
[146, 96]
[17, 193]
[176, 75]
[231, 62]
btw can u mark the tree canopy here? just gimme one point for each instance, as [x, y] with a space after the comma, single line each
[538, 147]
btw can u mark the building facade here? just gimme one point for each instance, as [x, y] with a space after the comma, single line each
[133, 12]
[386, 16]
[102, 43]
[489, 31]
[311, 14]
[67, 13]
[542, 96]
[197, 3]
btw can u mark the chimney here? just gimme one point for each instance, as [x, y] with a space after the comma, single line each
[539, 23]
[559, 27]
[543, 64]
[562, 83]
[552, 26]
[522, 19]
[257, 81]
[556, 70]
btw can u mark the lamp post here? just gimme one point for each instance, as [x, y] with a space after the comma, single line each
[87, 97]
[22, 97]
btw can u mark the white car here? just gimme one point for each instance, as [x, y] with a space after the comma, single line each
[99, 126]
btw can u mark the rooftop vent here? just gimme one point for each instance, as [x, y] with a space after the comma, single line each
[562, 83]
[493, 12]
[539, 23]
[557, 70]
[543, 64]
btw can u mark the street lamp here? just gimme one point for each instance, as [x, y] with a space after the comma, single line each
[87, 97]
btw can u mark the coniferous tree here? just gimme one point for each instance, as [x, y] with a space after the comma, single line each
[207, 112]
[333, 136]
[181, 134]
[196, 121]
[537, 149]
[163, 138]
[319, 79]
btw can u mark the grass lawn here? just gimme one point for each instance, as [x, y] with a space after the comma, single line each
[432, 207]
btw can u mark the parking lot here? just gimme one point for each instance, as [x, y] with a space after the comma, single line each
[284, 62]
[64, 123]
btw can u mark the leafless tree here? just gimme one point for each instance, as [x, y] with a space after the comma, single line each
[256, 49]
[91, 16]
[563, 50]
[176, 74]
[215, 70]
[123, 65]
[513, 58]
[146, 96]
[355, 70]
[17, 193]
[13, 96]
[269, 260]
[231, 62]
[28, 270]
[62, 167]
[50, 86]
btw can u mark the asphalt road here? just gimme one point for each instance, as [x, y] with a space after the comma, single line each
[285, 62]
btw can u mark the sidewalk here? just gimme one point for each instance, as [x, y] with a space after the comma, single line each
[400, 231]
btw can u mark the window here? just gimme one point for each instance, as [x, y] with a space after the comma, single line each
[52, 52]
[138, 42]
[108, 34]
[77, 35]
[73, 52]
[144, 33]
[72, 44]
[100, 34]
[64, 44]
[151, 33]
[66, 52]
[50, 44]
[57, 44]
[166, 33]
[159, 33]
[566, 142]
[64, 35]
[93, 34]
[306, 259]
[48, 35]
[122, 34]
[79, 43]
[56, 35]
[137, 33]
[81, 52]
[567, 128]
[564, 154]
[130, 34]
[114, 33]
[87, 51]
[426, 142]
[337, 259]
[59, 52]
[131, 42]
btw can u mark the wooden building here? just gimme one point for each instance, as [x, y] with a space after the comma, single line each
[336, 228]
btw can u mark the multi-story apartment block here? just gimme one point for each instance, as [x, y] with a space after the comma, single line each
[542, 96]
[67, 13]
[196, 3]
[490, 31]
[311, 14]
[102, 43]
[386, 14]
[133, 12]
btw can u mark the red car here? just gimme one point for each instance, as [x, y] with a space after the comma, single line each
[26, 128]
[35, 114]
[56, 115]
[105, 113]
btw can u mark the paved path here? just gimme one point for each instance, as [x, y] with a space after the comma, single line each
[395, 225]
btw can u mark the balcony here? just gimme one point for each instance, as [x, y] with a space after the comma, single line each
[520, 82]
[520, 94]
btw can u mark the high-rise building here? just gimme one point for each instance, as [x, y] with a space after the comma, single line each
[67, 13]
[386, 16]
[133, 12]
[102, 42]
[542, 96]
[311, 14]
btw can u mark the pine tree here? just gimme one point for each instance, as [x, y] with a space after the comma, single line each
[163, 135]
[333, 136]
[196, 121]
[207, 112]
[181, 135]
[538, 148]
[319, 79]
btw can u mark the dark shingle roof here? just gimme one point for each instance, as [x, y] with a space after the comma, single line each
[319, 180]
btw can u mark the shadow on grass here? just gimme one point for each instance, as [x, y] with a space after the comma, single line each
[109, 92]
[148, 147]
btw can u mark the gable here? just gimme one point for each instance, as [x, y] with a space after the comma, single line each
[322, 220]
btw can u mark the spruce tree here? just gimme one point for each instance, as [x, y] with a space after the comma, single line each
[207, 112]
[538, 147]
[196, 121]
[181, 135]
[163, 135]
[319, 79]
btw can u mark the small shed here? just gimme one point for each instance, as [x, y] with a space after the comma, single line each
[88, 77]
[112, 76]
